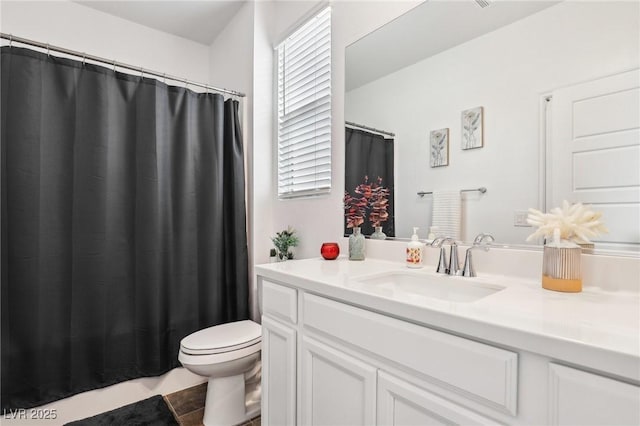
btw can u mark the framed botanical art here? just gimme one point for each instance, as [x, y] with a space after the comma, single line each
[439, 147]
[472, 128]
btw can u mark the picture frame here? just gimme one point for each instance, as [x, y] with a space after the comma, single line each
[439, 147]
[472, 128]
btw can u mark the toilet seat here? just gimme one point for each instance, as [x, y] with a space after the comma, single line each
[222, 338]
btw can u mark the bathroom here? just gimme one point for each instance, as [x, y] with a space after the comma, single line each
[233, 48]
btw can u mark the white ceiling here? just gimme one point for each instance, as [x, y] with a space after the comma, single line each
[428, 29]
[200, 21]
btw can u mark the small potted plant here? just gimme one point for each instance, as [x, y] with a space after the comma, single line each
[283, 241]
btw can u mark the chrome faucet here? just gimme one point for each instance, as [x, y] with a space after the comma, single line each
[453, 267]
[487, 239]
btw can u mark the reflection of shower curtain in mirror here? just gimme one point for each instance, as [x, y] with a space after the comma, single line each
[369, 154]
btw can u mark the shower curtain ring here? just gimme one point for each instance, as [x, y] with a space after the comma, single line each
[48, 50]
[141, 72]
[10, 40]
[84, 59]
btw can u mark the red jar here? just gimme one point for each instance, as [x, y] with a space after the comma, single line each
[330, 250]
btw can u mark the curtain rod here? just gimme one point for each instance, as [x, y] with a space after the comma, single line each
[114, 63]
[481, 190]
[360, 126]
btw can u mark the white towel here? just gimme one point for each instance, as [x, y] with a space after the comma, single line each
[447, 214]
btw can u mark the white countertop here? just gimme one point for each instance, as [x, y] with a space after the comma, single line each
[594, 328]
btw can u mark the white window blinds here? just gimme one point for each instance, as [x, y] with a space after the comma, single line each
[304, 109]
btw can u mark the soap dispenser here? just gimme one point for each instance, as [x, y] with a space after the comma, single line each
[414, 251]
[433, 230]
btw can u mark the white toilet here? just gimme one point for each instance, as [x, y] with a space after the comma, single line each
[227, 354]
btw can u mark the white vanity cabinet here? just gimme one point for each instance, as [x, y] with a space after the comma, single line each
[343, 362]
[331, 362]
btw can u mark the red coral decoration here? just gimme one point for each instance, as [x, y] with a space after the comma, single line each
[370, 197]
[354, 210]
[378, 203]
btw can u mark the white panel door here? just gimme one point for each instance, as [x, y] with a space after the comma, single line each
[580, 398]
[278, 373]
[594, 153]
[337, 389]
[403, 404]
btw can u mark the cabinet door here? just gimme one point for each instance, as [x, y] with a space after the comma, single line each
[580, 398]
[402, 403]
[337, 389]
[278, 373]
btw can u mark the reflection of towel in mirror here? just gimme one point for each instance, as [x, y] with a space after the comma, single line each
[447, 213]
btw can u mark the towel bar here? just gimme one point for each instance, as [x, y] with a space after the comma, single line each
[482, 190]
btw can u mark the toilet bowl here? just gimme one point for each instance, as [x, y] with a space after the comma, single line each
[225, 354]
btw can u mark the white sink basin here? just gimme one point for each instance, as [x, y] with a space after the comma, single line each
[406, 285]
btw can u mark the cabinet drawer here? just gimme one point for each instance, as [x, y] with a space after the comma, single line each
[580, 398]
[483, 372]
[279, 301]
[402, 403]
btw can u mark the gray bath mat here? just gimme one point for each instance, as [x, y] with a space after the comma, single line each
[149, 412]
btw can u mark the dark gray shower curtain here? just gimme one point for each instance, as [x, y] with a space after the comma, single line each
[369, 154]
[123, 224]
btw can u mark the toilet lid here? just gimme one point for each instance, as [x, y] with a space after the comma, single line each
[222, 338]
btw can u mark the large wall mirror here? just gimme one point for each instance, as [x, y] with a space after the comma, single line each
[536, 101]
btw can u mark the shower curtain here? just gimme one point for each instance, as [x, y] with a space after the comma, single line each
[369, 154]
[123, 224]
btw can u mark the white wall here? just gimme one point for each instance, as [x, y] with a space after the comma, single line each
[316, 219]
[262, 190]
[320, 219]
[506, 71]
[231, 63]
[77, 27]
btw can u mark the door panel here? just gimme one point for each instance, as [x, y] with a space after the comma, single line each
[279, 373]
[337, 389]
[594, 153]
[580, 398]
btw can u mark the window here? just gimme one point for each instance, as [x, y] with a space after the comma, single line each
[304, 109]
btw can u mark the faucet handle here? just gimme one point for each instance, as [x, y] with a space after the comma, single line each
[482, 240]
[467, 269]
[454, 264]
[437, 241]
[442, 239]
[442, 268]
[487, 239]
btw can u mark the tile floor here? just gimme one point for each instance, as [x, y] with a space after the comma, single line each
[187, 406]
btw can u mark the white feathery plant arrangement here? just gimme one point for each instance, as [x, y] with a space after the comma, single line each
[577, 223]
[563, 228]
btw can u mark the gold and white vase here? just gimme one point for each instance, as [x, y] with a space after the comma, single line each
[561, 268]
